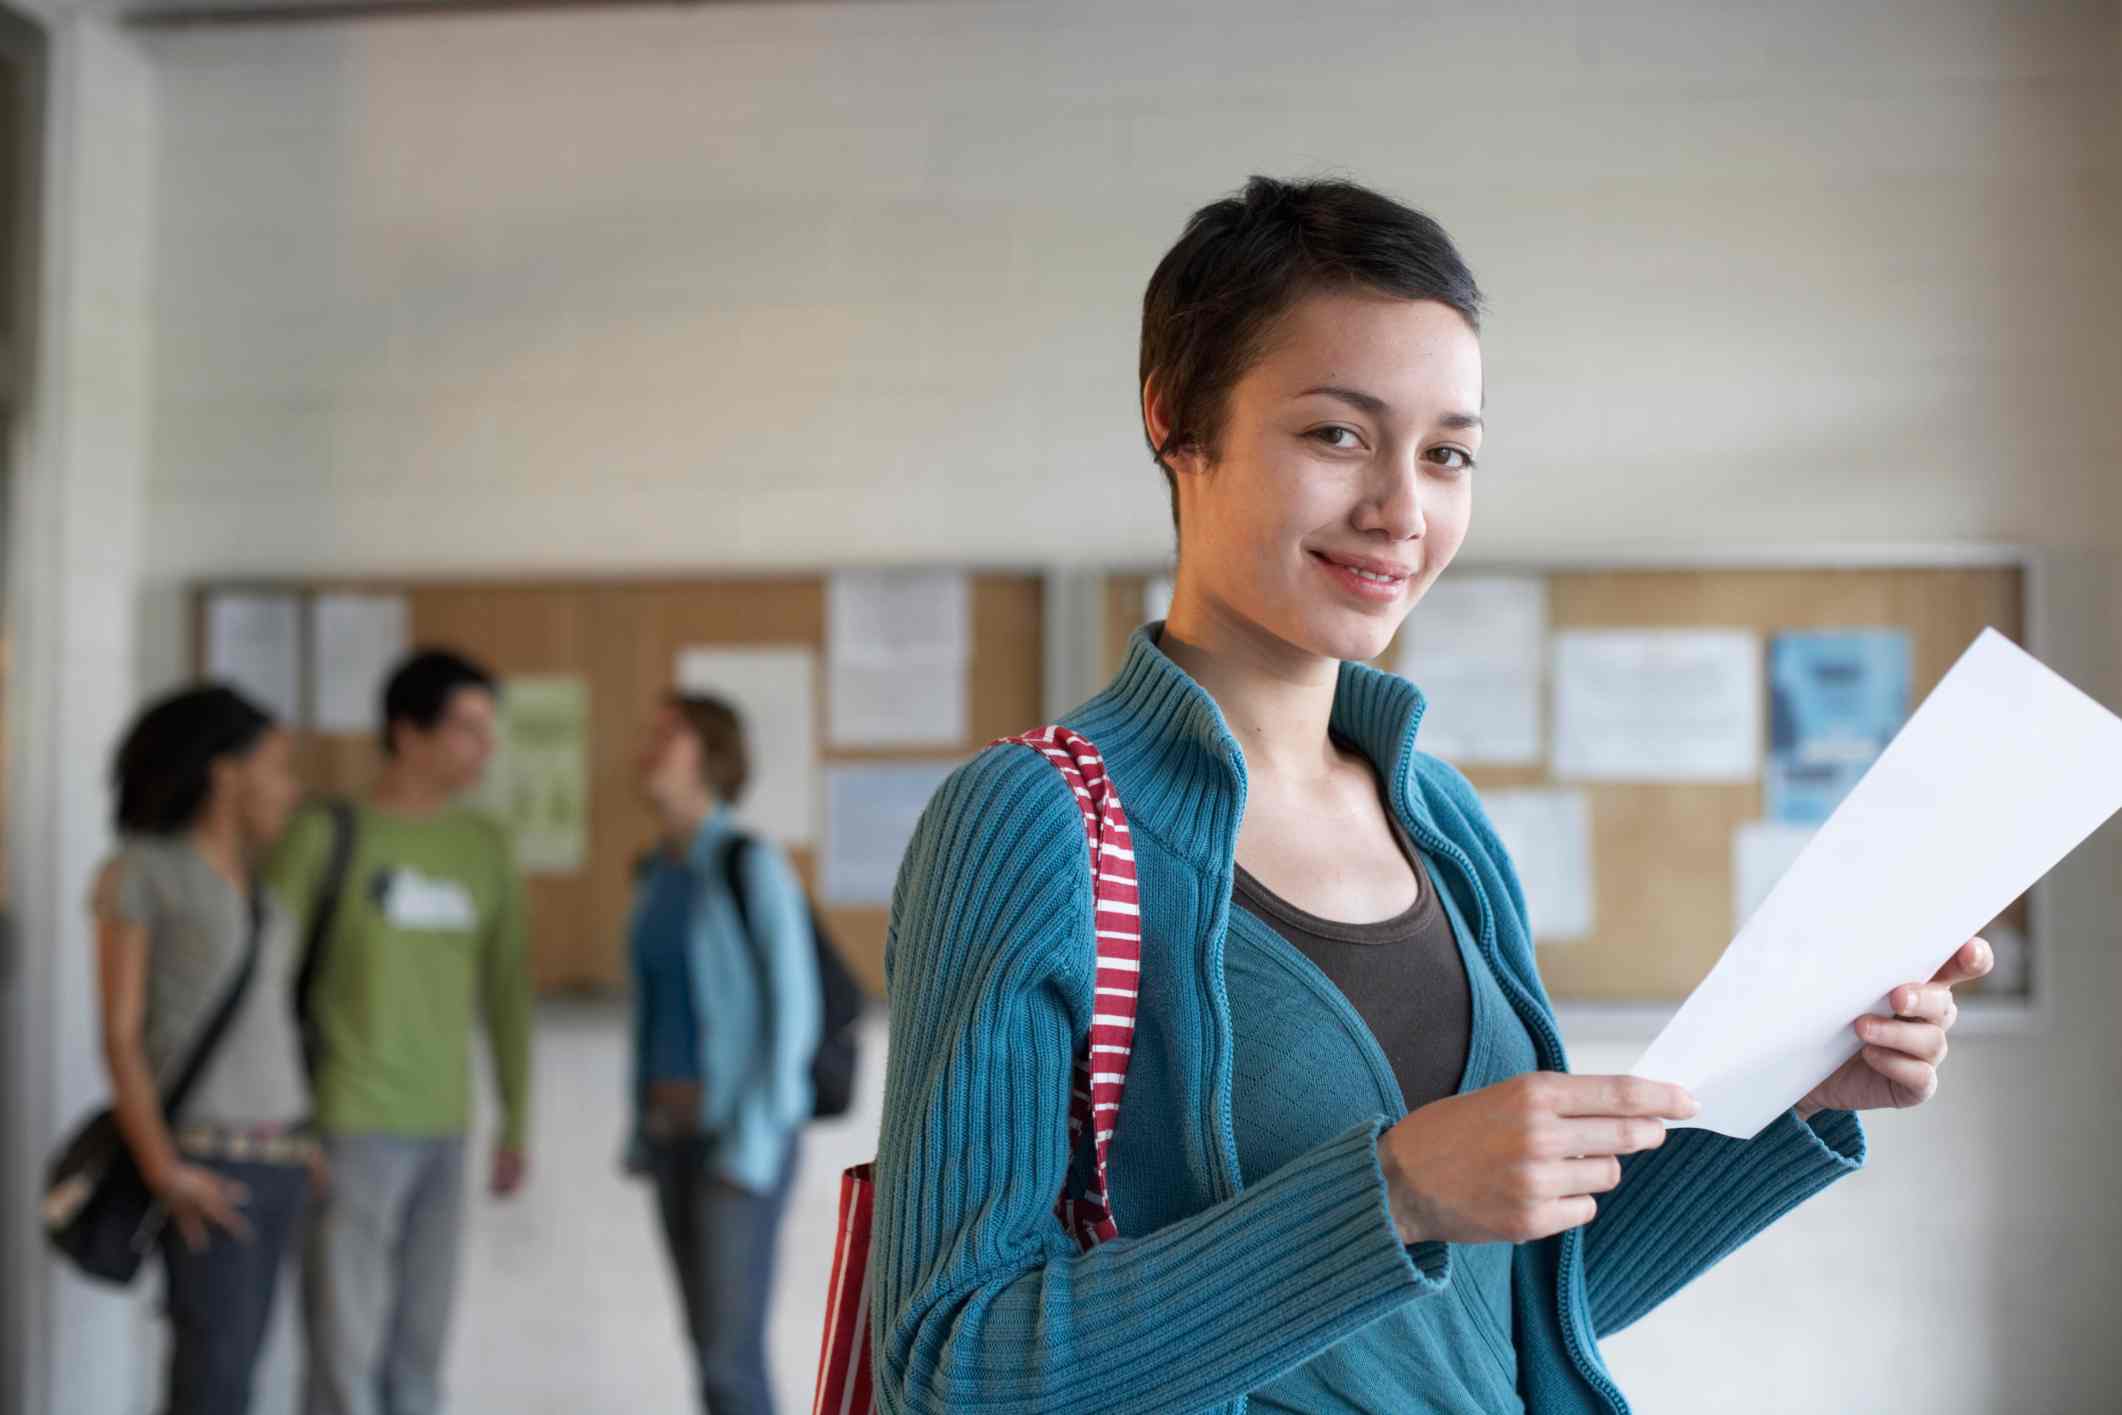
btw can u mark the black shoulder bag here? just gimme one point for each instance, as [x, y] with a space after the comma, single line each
[832, 1068]
[323, 910]
[98, 1210]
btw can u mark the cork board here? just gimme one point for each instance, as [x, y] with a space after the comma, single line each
[1662, 854]
[623, 637]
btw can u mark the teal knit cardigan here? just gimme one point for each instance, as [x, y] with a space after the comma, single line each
[981, 1302]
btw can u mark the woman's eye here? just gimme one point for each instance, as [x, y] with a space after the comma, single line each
[1341, 439]
[1458, 459]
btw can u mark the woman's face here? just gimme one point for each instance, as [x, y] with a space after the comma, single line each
[262, 782]
[1343, 479]
[670, 758]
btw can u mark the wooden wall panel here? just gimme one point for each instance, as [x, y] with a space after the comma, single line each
[623, 636]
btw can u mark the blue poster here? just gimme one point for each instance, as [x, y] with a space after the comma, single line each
[1836, 699]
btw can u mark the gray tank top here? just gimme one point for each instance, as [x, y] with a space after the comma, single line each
[198, 926]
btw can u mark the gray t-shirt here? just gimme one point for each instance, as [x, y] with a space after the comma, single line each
[198, 926]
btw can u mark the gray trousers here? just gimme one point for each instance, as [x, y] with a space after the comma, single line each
[382, 1274]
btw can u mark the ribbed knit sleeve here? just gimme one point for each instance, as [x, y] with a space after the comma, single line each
[980, 1301]
[1684, 1206]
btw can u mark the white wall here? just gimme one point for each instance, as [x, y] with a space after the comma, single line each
[817, 283]
[73, 558]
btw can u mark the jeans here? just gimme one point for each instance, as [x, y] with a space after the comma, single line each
[220, 1299]
[721, 1242]
[382, 1274]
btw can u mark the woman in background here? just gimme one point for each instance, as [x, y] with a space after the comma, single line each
[204, 783]
[726, 1019]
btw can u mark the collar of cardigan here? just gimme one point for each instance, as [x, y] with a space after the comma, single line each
[1180, 772]
[701, 855]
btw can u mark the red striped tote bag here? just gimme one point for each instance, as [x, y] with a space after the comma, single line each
[846, 1384]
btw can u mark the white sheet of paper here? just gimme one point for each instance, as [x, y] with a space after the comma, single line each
[1477, 647]
[870, 815]
[356, 640]
[775, 690]
[1549, 836]
[898, 649]
[1762, 852]
[1658, 705]
[254, 644]
[2001, 773]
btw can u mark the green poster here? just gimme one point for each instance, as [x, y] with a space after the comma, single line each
[538, 782]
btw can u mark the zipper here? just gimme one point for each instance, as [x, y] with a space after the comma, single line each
[1549, 1042]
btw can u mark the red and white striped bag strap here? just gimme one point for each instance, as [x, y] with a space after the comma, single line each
[846, 1380]
[1101, 1072]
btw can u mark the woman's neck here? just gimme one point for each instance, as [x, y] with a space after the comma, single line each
[220, 842]
[1277, 700]
[682, 819]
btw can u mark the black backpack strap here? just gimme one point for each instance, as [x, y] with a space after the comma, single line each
[224, 1013]
[733, 876]
[324, 909]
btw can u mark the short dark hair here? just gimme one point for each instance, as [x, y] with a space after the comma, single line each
[1240, 265]
[163, 771]
[420, 688]
[725, 754]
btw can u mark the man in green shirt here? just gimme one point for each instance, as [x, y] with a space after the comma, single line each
[428, 933]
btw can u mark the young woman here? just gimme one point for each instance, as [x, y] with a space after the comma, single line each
[726, 1018]
[1351, 1171]
[204, 785]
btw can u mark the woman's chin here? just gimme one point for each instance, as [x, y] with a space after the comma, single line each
[1339, 634]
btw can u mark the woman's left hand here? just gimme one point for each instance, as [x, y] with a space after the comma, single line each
[1898, 1065]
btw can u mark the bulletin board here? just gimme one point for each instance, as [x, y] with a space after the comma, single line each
[623, 638]
[1662, 854]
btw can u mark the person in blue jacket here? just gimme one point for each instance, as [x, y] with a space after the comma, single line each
[1351, 1171]
[726, 1019]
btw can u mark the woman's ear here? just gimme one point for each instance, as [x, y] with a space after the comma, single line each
[1157, 424]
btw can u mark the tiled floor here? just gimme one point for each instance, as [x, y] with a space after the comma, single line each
[566, 1305]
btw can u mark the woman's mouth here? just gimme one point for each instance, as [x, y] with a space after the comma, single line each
[1371, 580]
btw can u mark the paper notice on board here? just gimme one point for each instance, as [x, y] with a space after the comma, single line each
[1836, 698]
[898, 655]
[775, 691]
[254, 644]
[537, 784]
[870, 816]
[355, 642]
[1477, 648]
[1663, 705]
[2003, 770]
[1549, 837]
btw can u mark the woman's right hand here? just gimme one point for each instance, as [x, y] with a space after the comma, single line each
[196, 1197]
[1521, 1160]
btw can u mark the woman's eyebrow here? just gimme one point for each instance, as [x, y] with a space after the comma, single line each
[1356, 398]
[1377, 407]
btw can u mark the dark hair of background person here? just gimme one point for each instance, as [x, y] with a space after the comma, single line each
[163, 771]
[420, 688]
[1240, 265]
[725, 757]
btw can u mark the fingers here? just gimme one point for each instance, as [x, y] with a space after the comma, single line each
[1615, 1096]
[1930, 1002]
[191, 1231]
[222, 1205]
[1974, 960]
[1914, 1081]
[1570, 1178]
[1564, 1214]
[1571, 1139]
[1924, 1041]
